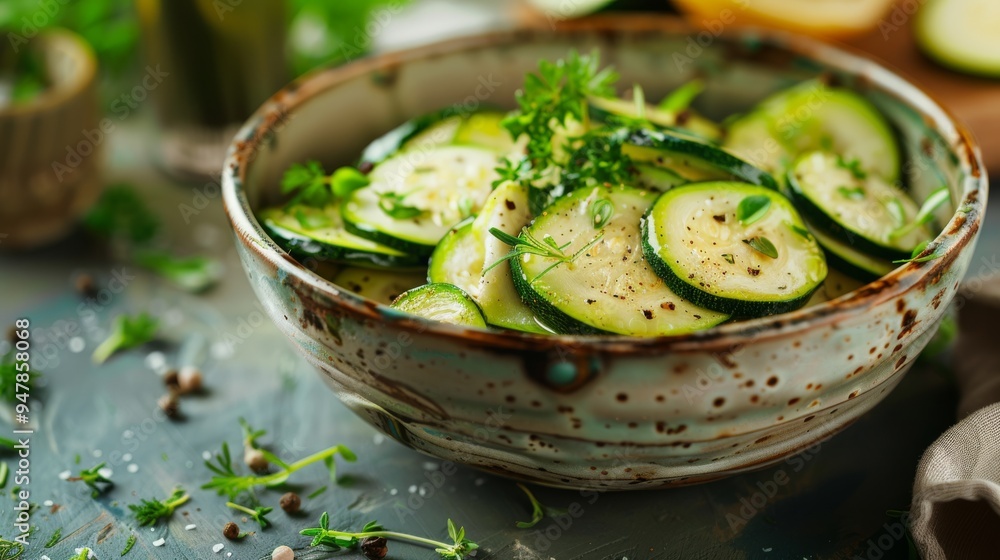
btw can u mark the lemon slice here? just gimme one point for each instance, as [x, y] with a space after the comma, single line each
[824, 18]
[961, 34]
[566, 9]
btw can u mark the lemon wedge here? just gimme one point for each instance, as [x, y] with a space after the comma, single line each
[820, 18]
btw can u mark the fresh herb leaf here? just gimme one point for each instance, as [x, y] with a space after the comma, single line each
[460, 548]
[11, 550]
[393, 205]
[528, 244]
[149, 512]
[800, 230]
[639, 98]
[227, 482]
[682, 97]
[9, 390]
[194, 274]
[93, 478]
[257, 514]
[915, 255]
[852, 193]
[853, 166]
[126, 332]
[729, 258]
[83, 554]
[347, 180]
[763, 246]
[753, 208]
[54, 538]
[935, 200]
[538, 511]
[4, 473]
[310, 220]
[517, 171]
[121, 213]
[551, 98]
[128, 545]
[466, 205]
[310, 184]
[598, 160]
[316, 492]
[601, 211]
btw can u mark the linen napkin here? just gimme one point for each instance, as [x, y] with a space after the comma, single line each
[956, 494]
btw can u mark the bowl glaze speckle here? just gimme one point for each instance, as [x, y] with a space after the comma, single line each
[602, 412]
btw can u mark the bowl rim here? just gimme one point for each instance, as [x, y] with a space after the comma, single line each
[959, 233]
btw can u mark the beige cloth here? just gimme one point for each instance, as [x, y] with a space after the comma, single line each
[956, 495]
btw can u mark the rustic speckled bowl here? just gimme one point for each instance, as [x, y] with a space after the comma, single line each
[601, 412]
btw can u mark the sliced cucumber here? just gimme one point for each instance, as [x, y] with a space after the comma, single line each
[441, 128]
[849, 260]
[864, 211]
[605, 109]
[812, 116]
[458, 258]
[608, 288]
[961, 34]
[769, 264]
[379, 285]
[319, 233]
[466, 250]
[444, 185]
[694, 161]
[441, 302]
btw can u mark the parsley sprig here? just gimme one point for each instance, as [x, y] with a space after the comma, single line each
[313, 187]
[538, 510]
[528, 244]
[93, 478]
[228, 483]
[549, 99]
[460, 547]
[126, 332]
[149, 512]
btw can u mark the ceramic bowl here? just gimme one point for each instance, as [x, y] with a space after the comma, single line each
[605, 412]
[50, 148]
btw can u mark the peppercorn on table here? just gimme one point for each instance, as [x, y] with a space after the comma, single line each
[834, 500]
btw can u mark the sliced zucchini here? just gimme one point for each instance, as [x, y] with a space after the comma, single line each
[379, 285]
[441, 128]
[606, 109]
[961, 34]
[732, 247]
[319, 233]
[849, 260]
[468, 249]
[506, 210]
[861, 209]
[608, 287]
[694, 161]
[836, 284]
[441, 302]
[812, 116]
[655, 178]
[441, 187]
[458, 258]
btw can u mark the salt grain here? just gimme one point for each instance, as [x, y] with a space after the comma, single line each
[218, 547]
[378, 439]
[47, 503]
[413, 489]
[106, 472]
[159, 542]
[190, 527]
[206, 455]
[65, 475]
[132, 468]
[393, 492]
[90, 553]
[127, 457]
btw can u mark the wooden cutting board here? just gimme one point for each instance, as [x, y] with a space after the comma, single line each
[974, 100]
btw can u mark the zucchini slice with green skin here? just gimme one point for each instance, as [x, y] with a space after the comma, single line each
[694, 161]
[463, 255]
[849, 260]
[605, 109]
[441, 128]
[961, 34]
[812, 116]
[862, 210]
[319, 233]
[655, 178]
[458, 258]
[608, 287]
[441, 302]
[441, 186]
[695, 240]
[383, 286]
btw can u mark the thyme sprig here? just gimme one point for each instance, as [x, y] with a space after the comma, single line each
[257, 514]
[460, 547]
[547, 247]
[93, 478]
[149, 512]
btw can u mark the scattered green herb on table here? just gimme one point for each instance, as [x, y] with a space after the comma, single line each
[460, 547]
[149, 512]
[93, 478]
[194, 274]
[128, 545]
[15, 381]
[54, 538]
[126, 332]
[538, 511]
[257, 514]
[121, 213]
